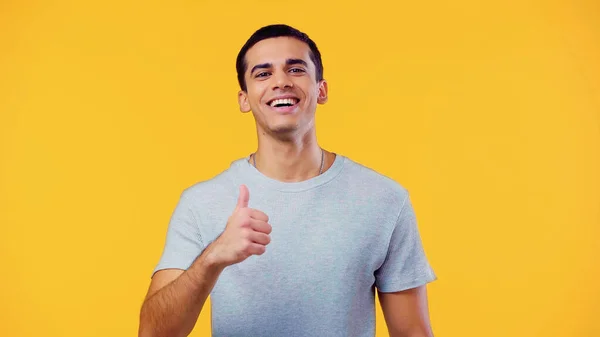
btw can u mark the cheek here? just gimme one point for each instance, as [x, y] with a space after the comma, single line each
[255, 94]
[311, 95]
[312, 89]
[253, 101]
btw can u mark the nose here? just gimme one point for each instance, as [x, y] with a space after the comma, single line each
[282, 81]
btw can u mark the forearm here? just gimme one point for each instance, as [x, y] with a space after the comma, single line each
[413, 334]
[397, 329]
[174, 309]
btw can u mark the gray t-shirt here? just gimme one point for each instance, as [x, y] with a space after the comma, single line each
[336, 237]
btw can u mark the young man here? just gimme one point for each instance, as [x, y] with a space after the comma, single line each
[294, 239]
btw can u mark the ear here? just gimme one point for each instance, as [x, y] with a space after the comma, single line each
[243, 101]
[322, 97]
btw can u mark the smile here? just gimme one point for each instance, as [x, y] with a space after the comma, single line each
[284, 105]
[283, 102]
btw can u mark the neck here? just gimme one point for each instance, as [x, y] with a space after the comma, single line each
[290, 160]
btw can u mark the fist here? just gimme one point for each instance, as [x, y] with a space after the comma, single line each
[247, 233]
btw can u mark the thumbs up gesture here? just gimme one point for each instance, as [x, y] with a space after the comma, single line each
[246, 233]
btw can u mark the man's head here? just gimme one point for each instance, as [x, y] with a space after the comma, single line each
[280, 74]
[273, 31]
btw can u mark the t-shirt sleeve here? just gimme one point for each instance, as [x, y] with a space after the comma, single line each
[183, 242]
[405, 265]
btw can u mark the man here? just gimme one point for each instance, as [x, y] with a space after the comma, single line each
[292, 240]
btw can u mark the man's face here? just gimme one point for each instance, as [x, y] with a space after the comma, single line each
[282, 90]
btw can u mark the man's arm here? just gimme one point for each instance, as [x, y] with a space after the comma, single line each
[176, 297]
[406, 312]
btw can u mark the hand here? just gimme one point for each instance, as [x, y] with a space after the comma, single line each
[246, 233]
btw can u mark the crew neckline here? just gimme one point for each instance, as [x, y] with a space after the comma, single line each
[247, 172]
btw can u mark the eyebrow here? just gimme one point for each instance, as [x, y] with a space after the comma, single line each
[290, 62]
[287, 62]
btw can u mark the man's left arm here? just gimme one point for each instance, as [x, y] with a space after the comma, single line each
[402, 279]
[406, 312]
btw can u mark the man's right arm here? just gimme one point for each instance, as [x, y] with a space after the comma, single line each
[175, 297]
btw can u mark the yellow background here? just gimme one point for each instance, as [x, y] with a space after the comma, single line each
[488, 113]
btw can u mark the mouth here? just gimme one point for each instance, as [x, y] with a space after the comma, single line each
[283, 102]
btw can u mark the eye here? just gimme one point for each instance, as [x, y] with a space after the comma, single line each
[297, 70]
[262, 74]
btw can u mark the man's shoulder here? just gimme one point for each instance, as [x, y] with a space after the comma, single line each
[373, 182]
[214, 185]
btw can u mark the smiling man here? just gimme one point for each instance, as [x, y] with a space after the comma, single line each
[292, 240]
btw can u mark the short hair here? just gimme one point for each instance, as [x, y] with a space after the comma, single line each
[272, 31]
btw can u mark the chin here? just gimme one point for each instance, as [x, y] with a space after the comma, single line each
[283, 132]
[283, 124]
[284, 129]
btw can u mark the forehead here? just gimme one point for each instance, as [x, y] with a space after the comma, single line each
[277, 50]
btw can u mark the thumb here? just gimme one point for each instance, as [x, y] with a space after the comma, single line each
[243, 198]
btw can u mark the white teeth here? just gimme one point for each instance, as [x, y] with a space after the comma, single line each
[290, 101]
